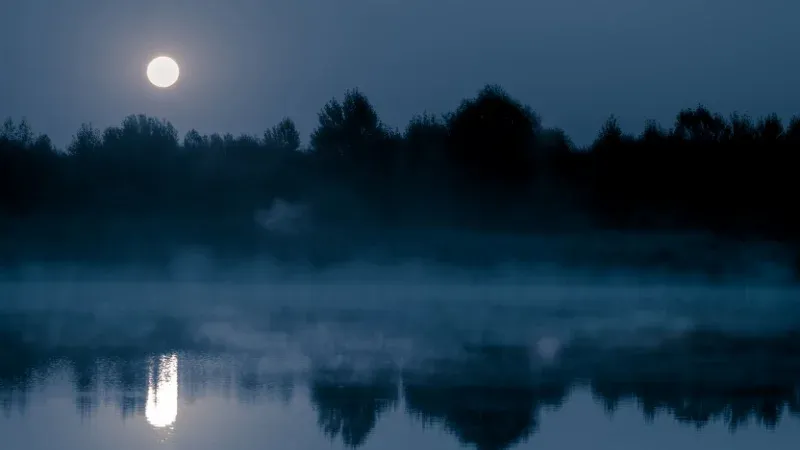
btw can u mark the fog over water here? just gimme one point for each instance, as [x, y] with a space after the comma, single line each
[363, 354]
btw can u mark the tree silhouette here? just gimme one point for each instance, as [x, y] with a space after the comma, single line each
[283, 136]
[348, 131]
[491, 138]
[700, 125]
[793, 131]
[770, 129]
[610, 134]
[488, 164]
[743, 130]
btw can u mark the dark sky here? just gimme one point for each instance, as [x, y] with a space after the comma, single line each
[247, 63]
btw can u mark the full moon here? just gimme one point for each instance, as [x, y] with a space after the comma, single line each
[163, 72]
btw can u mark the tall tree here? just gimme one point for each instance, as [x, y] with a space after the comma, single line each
[491, 138]
[283, 136]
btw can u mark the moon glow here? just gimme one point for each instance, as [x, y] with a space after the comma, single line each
[163, 72]
[161, 409]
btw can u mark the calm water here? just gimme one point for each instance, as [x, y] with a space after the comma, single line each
[398, 364]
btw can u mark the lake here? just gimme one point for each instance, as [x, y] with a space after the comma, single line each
[391, 359]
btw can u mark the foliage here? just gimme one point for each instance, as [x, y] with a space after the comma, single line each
[489, 158]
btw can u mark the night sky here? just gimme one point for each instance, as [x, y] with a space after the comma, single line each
[245, 64]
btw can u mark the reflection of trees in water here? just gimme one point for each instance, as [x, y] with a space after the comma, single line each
[489, 399]
[84, 381]
[129, 382]
[349, 402]
[35, 346]
[16, 371]
[22, 362]
[704, 377]
[486, 396]
[244, 378]
[253, 384]
[122, 378]
[111, 368]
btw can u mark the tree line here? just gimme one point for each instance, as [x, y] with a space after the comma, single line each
[488, 164]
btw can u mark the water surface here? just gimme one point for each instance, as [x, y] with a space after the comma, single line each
[393, 363]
